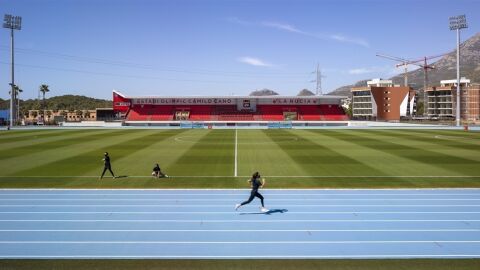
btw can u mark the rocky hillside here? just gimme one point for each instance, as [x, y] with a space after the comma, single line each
[305, 92]
[445, 69]
[264, 92]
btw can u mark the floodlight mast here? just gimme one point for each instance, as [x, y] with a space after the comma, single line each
[457, 23]
[13, 23]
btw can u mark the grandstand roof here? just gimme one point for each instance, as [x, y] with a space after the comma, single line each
[233, 97]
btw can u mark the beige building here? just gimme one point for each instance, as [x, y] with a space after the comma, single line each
[442, 100]
[34, 116]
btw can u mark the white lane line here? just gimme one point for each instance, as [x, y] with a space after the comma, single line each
[372, 256]
[275, 176]
[239, 193]
[240, 189]
[235, 230]
[235, 174]
[238, 220]
[229, 206]
[229, 200]
[235, 213]
[244, 242]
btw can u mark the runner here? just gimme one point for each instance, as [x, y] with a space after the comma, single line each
[255, 183]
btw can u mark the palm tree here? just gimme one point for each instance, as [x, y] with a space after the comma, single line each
[44, 89]
[17, 93]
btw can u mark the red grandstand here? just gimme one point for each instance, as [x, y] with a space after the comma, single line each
[229, 108]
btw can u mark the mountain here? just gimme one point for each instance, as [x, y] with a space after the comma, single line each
[305, 92]
[264, 92]
[445, 69]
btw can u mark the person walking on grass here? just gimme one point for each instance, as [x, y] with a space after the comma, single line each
[256, 182]
[108, 166]
[157, 172]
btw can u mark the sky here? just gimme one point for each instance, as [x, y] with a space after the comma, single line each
[218, 47]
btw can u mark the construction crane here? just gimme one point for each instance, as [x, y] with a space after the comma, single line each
[425, 66]
[401, 60]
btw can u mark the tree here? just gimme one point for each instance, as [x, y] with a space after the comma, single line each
[34, 114]
[420, 108]
[79, 113]
[49, 114]
[17, 93]
[64, 114]
[44, 89]
[86, 114]
[24, 113]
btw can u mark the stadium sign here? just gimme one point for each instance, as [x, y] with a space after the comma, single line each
[183, 101]
[292, 101]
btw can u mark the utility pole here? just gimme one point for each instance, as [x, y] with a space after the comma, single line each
[457, 23]
[318, 80]
[13, 23]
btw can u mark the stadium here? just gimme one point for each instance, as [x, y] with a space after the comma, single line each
[218, 109]
[212, 152]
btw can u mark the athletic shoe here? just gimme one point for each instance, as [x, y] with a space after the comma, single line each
[114, 177]
[264, 210]
[237, 206]
[166, 176]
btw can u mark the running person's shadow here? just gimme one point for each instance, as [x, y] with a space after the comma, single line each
[269, 212]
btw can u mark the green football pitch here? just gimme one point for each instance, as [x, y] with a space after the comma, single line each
[193, 158]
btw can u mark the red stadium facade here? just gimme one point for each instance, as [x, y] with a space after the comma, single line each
[229, 108]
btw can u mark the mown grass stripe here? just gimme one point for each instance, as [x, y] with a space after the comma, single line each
[40, 159]
[258, 152]
[385, 161]
[444, 140]
[26, 147]
[212, 154]
[139, 157]
[7, 136]
[320, 159]
[421, 153]
[90, 162]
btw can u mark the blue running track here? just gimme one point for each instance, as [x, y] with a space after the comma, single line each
[404, 223]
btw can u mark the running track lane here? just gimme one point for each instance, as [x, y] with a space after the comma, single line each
[404, 223]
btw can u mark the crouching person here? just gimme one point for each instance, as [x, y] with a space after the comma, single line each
[157, 172]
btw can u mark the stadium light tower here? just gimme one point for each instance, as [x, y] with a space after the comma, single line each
[457, 23]
[13, 23]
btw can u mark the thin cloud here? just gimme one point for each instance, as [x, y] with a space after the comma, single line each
[284, 27]
[292, 29]
[357, 41]
[337, 37]
[254, 61]
[386, 70]
[239, 21]
[358, 71]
